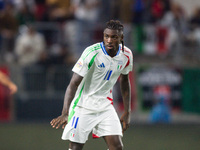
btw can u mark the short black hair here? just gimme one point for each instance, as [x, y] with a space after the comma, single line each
[115, 25]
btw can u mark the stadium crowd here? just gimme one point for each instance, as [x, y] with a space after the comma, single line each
[24, 38]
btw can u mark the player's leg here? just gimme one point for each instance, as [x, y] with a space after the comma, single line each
[75, 146]
[110, 129]
[78, 128]
[114, 142]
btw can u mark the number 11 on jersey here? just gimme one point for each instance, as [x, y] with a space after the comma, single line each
[108, 74]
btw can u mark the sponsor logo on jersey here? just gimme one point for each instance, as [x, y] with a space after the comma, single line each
[101, 65]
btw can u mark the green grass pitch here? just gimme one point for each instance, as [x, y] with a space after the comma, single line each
[27, 136]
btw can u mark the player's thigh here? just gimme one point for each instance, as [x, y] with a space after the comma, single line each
[109, 124]
[78, 128]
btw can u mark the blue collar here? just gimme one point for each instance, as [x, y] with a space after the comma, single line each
[105, 52]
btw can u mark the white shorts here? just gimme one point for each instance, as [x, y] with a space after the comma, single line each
[84, 121]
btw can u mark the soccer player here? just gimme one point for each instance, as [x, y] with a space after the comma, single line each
[8, 83]
[88, 105]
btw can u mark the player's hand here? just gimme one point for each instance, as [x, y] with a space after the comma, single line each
[57, 122]
[125, 120]
[13, 88]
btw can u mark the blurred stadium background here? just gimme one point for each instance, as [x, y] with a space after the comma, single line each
[40, 40]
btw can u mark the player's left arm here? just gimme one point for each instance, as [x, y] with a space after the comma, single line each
[126, 95]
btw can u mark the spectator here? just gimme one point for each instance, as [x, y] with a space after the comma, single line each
[18, 4]
[2, 3]
[157, 10]
[8, 30]
[161, 110]
[29, 46]
[59, 10]
[175, 20]
[59, 54]
[114, 6]
[86, 13]
[126, 17]
[40, 10]
[24, 14]
[195, 26]
[138, 9]
[105, 10]
[195, 18]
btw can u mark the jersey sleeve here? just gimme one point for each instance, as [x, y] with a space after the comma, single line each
[80, 67]
[129, 64]
[84, 63]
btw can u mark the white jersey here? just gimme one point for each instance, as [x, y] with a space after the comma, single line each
[100, 72]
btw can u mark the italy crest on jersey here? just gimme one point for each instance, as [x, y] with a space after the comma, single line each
[119, 66]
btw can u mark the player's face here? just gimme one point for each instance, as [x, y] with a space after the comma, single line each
[112, 39]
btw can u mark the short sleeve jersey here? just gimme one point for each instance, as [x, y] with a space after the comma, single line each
[100, 72]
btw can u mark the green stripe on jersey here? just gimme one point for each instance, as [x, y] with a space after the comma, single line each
[70, 115]
[92, 61]
[75, 104]
[89, 50]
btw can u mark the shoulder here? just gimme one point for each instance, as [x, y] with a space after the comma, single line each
[127, 52]
[129, 60]
[91, 51]
[128, 56]
[95, 46]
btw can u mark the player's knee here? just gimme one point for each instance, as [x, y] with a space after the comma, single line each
[118, 146]
[76, 146]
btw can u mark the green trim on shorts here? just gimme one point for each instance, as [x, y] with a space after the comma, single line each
[75, 104]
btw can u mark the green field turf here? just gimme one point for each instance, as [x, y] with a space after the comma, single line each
[138, 137]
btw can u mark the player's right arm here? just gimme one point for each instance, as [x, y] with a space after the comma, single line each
[80, 69]
[69, 95]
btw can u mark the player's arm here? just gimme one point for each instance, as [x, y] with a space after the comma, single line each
[69, 95]
[126, 95]
[8, 83]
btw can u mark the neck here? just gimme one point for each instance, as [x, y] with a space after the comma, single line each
[113, 52]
